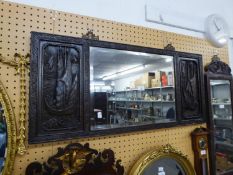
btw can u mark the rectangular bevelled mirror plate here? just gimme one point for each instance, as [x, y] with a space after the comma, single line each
[130, 88]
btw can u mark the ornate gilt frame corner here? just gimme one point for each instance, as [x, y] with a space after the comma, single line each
[165, 151]
[11, 131]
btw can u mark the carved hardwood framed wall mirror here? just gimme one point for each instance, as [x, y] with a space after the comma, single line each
[219, 88]
[7, 133]
[165, 160]
[84, 87]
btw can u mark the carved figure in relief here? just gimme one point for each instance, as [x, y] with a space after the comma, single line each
[61, 68]
[67, 78]
[189, 86]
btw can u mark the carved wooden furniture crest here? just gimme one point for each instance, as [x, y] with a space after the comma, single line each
[90, 35]
[218, 67]
[77, 159]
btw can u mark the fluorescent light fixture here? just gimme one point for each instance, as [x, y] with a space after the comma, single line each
[139, 53]
[168, 60]
[135, 69]
[97, 83]
[108, 77]
[124, 72]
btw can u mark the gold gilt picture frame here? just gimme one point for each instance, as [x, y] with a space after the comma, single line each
[11, 131]
[164, 153]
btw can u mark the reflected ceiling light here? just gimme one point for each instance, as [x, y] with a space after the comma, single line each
[135, 69]
[124, 72]
[97, 83]
[168, 60]
[139, 53]
[108, 77]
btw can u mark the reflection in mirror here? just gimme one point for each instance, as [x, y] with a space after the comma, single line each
[130, 88]
[3, 138]
[164, 166]
[165, 160]
[222, 115]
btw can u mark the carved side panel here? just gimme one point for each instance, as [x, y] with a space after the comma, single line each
[55, 88]
[60, 86]
[190, 88]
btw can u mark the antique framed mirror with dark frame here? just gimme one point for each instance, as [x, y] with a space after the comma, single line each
[83, 87]
[219, 86]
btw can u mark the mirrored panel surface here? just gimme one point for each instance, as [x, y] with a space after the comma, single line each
[130, 88]
[164, 166]
[222, 115]
[3, 139]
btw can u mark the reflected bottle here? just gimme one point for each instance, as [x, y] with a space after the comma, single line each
[170, 79]
[164, 79]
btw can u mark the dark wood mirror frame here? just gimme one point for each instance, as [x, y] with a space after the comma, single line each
[216, 70]
[47, 121]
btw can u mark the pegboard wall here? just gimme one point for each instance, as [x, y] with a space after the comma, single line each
[16, 23]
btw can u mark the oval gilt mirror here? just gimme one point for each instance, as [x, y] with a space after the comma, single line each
[7, 133]
[163, 161]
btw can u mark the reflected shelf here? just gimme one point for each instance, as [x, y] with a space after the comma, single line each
[223, 119]
[162, 87]
[221, 103]
[136, 109]
[130, 123]
[152, 88]
[146, 101]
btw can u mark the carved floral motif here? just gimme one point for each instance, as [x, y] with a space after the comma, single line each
[77, 159]
[218, 67]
